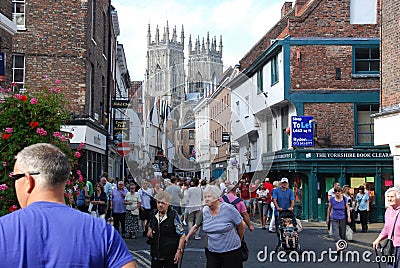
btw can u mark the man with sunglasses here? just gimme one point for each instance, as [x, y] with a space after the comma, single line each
[48, 233]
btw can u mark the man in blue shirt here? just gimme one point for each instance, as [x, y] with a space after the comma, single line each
[48, 233]
[283, 198]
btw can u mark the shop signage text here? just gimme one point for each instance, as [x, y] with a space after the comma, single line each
[120, 103]
[302, 131]
[352, 155]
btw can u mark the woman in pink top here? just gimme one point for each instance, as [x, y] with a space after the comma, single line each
[393, 199]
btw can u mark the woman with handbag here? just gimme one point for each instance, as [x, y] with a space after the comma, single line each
[98, 201]
[338, 212]
[391, 229]
[133, 203]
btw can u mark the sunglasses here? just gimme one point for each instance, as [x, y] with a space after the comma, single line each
[21, 175]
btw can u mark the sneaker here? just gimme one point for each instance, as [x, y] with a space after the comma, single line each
[264, 228]
[271, 231]
[184, 223]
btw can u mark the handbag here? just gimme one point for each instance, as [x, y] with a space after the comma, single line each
[245, 251]
[388, 248]
[299, 225]
[349, 233]
[90, 207]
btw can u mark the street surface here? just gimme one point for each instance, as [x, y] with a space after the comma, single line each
[311, 240]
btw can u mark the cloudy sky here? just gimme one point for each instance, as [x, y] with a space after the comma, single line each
[240, 22]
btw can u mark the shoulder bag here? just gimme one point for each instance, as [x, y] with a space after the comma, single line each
[388, 248]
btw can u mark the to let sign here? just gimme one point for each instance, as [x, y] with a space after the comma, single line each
[302, 131]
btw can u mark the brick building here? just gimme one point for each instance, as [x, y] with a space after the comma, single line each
[7, 30]
[386, 121]
[75, 42]
[320, 62]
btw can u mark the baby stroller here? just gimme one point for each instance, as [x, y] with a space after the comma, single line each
[287, 231]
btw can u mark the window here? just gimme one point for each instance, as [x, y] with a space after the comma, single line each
[365, 124]
[104, 35]
[260, 87]
[19, 13]
[363, 11]
[191, 134]
[269, 133]
[92, 91]
[247, 103]
[93, 20]
[274, 70]
[285, 118]
[366, 60]
[238, 109]
[18, 71]
[158, 79]
[254, 152]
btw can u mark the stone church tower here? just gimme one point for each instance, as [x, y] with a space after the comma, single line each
[169, 95]
[165, 72]
[204, 65]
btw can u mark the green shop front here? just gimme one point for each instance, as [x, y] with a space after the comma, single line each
[311, 174]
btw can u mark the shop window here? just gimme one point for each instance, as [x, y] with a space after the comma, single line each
[366, 60]
[365, 124]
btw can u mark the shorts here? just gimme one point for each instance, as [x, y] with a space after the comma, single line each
[144, 214]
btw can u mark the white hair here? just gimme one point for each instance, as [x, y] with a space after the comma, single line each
[214, 190]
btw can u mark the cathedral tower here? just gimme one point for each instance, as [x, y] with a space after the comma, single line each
[205, 65]
[165, 72]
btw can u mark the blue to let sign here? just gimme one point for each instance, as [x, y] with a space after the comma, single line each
[303, 131]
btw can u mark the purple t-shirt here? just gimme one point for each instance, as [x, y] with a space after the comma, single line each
[118, 198]
[46, 234]
[338, 209]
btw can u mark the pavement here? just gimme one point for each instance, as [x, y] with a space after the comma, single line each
[364, 239]
[359, 238]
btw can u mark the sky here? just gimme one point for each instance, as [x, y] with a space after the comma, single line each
[240, 22]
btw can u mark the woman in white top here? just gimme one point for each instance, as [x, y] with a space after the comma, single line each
[133, 203]
[262, 195]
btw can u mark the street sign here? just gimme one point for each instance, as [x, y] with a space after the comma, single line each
[226, 137]
[302, 131]
[123, 148]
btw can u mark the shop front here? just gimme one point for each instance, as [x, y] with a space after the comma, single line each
[311, 174]
[92, 163]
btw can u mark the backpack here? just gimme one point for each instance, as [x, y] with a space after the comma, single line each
[234, 202]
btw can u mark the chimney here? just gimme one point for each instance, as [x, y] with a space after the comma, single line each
[285, 8]
[299, 5]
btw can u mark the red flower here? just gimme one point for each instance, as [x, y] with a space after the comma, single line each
[12, 208]
[34, 124]
[6, 136]
[71, 135]
[24, 98]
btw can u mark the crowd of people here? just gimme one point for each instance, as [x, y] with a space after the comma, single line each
[163, 206]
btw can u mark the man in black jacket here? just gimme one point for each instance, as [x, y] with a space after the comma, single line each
[167, 234]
